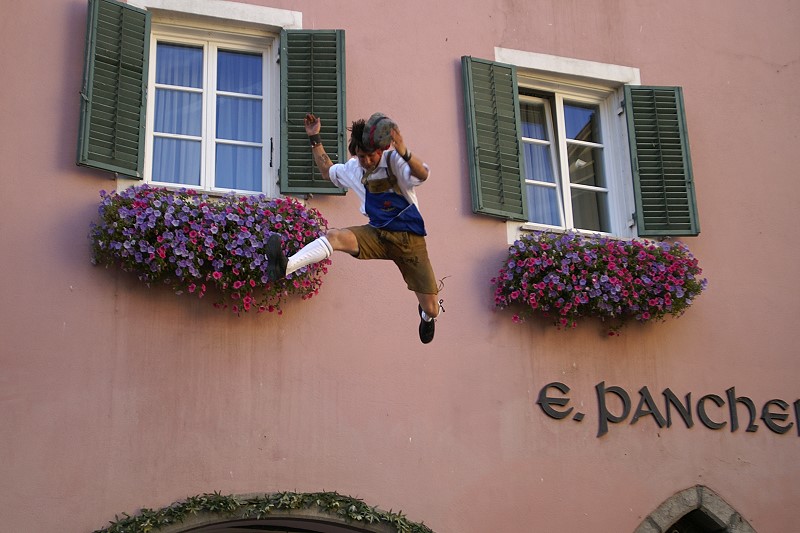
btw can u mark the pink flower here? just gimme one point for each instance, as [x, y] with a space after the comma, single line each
[577, 275]
[206, 253]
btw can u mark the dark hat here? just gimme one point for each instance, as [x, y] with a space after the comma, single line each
[378, 132]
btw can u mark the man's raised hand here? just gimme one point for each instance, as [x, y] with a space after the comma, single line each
[312, 124]
[397, 141]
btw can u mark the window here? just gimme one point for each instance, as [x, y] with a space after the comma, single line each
[210, 112]
[209, 96]
[564, 165]
[560, 144]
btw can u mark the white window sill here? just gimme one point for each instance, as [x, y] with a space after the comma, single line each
[515, 229]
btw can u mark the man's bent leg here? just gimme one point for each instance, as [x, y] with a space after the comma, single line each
[313, 252]
[317, 250]
[343, 240]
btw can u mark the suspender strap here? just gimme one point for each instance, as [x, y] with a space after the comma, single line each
[383, 184]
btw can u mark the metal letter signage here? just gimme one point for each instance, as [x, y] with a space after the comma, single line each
[545, 401]
[614, 406]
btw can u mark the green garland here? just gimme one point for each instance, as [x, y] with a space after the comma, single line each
[259, 507]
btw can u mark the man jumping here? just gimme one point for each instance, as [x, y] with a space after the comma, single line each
[385, 181]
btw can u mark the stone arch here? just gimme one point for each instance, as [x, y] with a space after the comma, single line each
[698, 505]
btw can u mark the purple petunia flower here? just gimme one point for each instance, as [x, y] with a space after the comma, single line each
[608, 278]
[142, 229]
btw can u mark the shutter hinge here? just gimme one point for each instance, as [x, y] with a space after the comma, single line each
[271, 147]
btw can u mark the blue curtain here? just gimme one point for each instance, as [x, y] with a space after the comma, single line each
[179, 112]
[176, 161]
[543, 203]
[239, 72]
[239, 118]
[238, 167]
[179, 65]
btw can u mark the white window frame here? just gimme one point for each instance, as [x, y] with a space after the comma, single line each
[210, 42]
[594, 83]
[238, 26]
[561, 145]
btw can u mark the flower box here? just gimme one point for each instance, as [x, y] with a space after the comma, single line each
[568, 276]
[202, 245]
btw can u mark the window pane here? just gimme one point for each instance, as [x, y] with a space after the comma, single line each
[586, 165]
[534, 121]
[543, 205]
[238, 167]
[179, 65]
[538, 163]
[590, 210]
[176, 161]
[178, 112]
[239, 119]
[582, 122]
[238, 72]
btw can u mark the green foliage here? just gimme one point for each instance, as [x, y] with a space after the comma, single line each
[260, 507]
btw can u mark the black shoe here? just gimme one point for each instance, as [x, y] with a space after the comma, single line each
[426, 329]
[276, 259]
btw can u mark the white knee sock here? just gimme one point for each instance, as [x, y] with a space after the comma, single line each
[311, 253]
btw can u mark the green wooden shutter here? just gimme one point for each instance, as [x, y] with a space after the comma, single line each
[312, 81]
[491, 106]
[662, 167]
[113, 99]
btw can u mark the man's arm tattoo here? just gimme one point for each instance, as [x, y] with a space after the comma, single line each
[322, 160]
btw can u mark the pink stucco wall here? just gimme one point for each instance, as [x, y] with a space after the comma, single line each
[114, 396]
